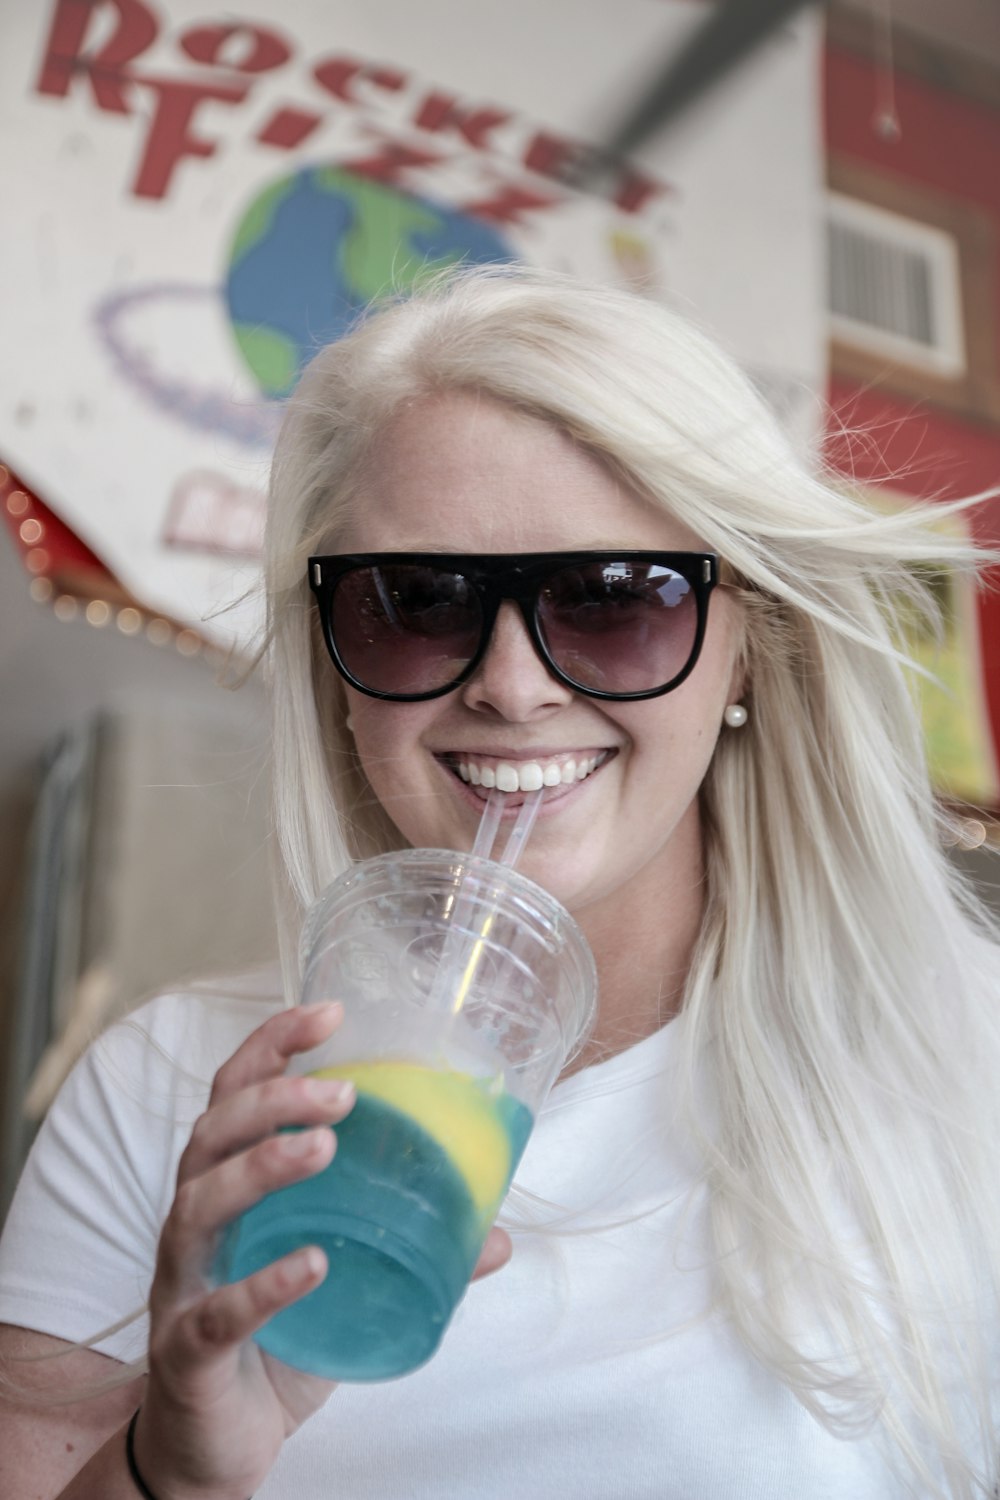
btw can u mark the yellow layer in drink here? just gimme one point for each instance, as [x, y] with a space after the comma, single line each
[469, 1118]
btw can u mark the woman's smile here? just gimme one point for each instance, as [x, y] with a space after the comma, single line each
[555, 773]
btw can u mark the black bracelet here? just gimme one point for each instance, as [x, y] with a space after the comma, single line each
[133, 1467]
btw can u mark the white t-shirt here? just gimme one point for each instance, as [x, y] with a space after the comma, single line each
[588, 1368]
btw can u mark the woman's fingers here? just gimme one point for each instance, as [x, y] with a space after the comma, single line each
[266, 1051]
[231, 1122]
[221, 1321]
[239, 1120]
[496, 1252]
[204, 1205]
[216, 1324]
[227, 1167]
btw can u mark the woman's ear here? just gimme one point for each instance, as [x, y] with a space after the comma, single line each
[737, 686]
[739, 676]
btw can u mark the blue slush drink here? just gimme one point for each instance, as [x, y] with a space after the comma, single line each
[430, 1153]
[465, 987]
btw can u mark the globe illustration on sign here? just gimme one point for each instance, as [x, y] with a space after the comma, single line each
[309, 254]
[317, 247]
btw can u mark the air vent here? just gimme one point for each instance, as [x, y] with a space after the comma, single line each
[894, 286]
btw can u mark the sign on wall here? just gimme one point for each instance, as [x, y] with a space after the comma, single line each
[198, 199]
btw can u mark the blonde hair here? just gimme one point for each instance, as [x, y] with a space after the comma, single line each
[843, 993]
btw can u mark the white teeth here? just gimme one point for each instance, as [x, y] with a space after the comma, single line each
[531, 775]
[529, 778]
[507, 777]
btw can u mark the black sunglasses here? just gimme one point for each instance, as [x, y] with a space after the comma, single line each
[611, 624]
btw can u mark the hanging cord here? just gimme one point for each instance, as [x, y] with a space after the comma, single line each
[885, 120]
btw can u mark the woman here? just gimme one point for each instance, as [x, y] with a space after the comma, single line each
[756, 1247]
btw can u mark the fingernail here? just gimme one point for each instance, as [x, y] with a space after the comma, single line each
[301, 1142]
[304, 1265]
[308, 1263]
[319, 1007]
[332, 1090]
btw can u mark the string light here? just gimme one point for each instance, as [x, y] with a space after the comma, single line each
[158, 632]
[973, 834]
[98, 613]
[968, 833]
[129, 621]
[65, 607]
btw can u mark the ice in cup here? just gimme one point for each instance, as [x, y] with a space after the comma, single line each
[465, 989]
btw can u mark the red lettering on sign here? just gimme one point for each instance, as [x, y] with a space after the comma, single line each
[386, 78]
[264, 50]
[130, 27]
[338, 75]
[509, 203]
[391, 161]
[443, 112]
[553, 155]
[169, 139]
[289, 128]
[635, 190]
[65, 59]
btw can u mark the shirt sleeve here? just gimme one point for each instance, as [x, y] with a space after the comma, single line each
[79, 1244]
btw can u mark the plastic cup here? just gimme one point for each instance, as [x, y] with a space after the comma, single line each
[465, 988]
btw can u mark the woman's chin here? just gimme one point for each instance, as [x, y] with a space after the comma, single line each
[569, 886]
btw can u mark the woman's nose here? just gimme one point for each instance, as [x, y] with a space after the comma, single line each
[512, 680]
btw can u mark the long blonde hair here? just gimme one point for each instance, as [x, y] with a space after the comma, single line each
[843, 996]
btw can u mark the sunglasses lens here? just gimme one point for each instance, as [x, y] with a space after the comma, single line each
[405, 628]
[619, 626]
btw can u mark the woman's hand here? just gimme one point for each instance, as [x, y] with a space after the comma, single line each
[218, 1408]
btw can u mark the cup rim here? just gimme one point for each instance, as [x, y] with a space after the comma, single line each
[520, 883]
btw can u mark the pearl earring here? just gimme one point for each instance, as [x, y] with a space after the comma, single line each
[350, 724]
[735, 715]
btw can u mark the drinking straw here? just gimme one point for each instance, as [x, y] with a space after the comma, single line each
[454, 960]
[488, 825]
[523, 825]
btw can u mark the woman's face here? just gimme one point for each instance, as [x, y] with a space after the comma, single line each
[466, 474]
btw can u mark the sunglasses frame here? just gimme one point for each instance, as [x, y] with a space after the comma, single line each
[518, 577]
